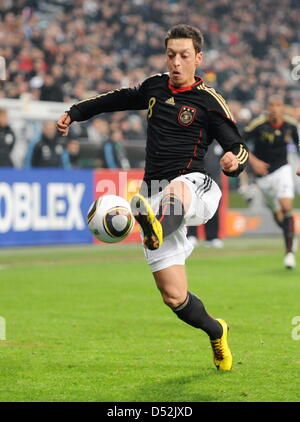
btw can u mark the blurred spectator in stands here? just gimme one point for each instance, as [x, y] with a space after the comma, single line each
[243, 118]
[7, 140]
[51, 90]
[114, 152]
[245, 181]
[135, 128]
[79, 131]
[49, 150]
[73, 148]
[68, 51]
[85, 47]
[98, 131]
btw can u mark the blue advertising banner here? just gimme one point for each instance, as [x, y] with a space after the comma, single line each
[44, 206]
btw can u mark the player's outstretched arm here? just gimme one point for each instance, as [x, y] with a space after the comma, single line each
[298, 172]
[63, 124]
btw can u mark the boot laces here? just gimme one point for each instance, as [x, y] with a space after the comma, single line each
[218, 349]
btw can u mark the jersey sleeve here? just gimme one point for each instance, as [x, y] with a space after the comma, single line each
[227, 134]
[117, 100]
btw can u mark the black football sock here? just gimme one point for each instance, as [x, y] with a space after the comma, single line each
[193, 312]
[211, 228]
[288, 231]
[170, 214]
[192, 231]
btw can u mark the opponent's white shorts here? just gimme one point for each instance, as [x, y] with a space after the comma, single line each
[176, 248]
[277, 185]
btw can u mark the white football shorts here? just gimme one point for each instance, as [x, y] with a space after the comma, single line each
[277, 185]
[206, 196]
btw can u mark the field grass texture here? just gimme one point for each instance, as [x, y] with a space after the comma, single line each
[86, 323]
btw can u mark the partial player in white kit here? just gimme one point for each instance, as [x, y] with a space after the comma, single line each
[184, 117]
[269, 136]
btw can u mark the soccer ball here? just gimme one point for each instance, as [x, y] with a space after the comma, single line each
[110, 219]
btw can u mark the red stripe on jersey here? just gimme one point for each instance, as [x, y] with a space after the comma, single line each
[194, 152]
[276, 125]
[184, 88]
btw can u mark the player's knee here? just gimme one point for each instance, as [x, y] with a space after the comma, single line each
[173, 301]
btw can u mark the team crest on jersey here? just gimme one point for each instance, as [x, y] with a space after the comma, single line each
[186, 115]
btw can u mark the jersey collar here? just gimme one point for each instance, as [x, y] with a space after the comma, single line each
[276, 125]
[184, 88]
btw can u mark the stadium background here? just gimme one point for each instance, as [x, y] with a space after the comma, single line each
[60, 52]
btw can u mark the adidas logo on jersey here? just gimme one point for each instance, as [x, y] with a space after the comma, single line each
[170, 101]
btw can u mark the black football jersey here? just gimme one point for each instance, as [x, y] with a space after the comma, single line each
[182, 123]
[269, 142]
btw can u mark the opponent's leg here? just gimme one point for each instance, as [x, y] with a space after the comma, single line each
[172, 283]
[278, 218]
[288, 231]
[287, 222]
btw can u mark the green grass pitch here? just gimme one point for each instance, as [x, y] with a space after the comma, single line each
[86, 323]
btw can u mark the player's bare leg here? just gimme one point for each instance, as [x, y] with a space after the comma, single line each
[173, 285]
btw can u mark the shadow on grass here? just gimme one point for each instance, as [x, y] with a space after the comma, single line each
[279, 272]
[191, 388]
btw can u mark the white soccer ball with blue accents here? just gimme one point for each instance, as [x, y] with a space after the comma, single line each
[110, 218]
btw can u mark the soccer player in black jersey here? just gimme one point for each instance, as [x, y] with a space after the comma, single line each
[184, 116]
[269, 136]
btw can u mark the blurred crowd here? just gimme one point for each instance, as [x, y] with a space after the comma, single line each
[67, 50]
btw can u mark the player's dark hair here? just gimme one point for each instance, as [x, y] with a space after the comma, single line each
[186, 31]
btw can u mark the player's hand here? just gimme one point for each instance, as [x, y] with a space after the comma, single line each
[298, 172]
[261, 168]
[229, 162]
[63, 124]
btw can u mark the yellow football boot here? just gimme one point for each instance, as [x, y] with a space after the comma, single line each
[151, 227]
[221, 353]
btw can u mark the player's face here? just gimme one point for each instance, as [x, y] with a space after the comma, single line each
[276, 109]
[182, 60]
